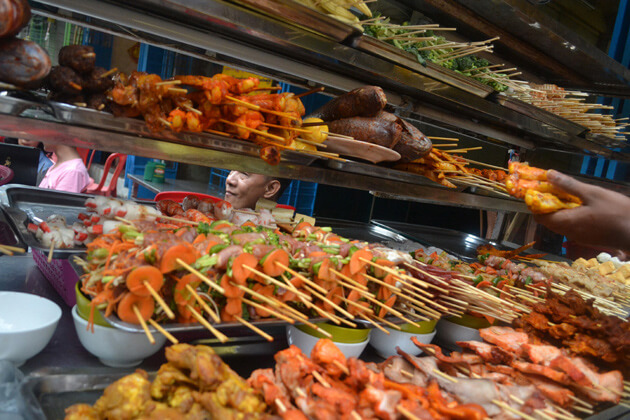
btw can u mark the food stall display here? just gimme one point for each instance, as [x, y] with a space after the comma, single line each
[558, 342]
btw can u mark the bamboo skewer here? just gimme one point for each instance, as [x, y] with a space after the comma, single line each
[320, 379]
[143, 324]
[330, 302]
[163, 331]
[297, 130]
[14, 249]
[219, 335]
[175, 219]
[444, 138]
[386, 322]
[159, 300]
[168, 82]
[406, 413]
[348, 279]
[301, 277]
[50, 252]
[254, 328]
[341, 367]
[270, 310]
[312, 143]
[203, 304]
[309, 92]
[6, 251]
[253, 130]
[194, 110]
[373, 323]
[201, 276]
[276, 282]
[464, 150]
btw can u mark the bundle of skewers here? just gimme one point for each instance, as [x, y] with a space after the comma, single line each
[11, 250]
[425, 43]
[221, 105]
[572, 106]
[448, 169]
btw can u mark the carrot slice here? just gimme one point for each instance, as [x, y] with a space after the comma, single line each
[181, 295]
[356, 264]
[185, 251]
[302, 226]
[240, 274]
[378, 273]
[230, 292]
[125, 311]
[383, 293]
[324, 271]
[199, 238]
[389, 303]
[269, 265]
[233, 306]
[297, 282]
[220, 226]
[354, 296]
[145, 273]
[390, 279]
[249, 223]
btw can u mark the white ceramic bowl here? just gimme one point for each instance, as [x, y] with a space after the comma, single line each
[449, 332]
[27, 323]
[385, 344]
[114, 347]
[306, 342]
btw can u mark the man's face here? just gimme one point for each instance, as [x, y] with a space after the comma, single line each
[243, 189]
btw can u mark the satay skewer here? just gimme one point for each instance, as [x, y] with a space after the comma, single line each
[276, 282]
[143, 324]
[201, 276]
[379, 327]
[254, 328]
[169, 313]
[341, 366]
[203, 304]
[108, 72]
[219, 335]
[162, 331]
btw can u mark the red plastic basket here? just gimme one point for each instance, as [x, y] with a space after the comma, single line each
[60, 274]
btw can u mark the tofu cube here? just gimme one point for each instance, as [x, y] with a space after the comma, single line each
[606, 268]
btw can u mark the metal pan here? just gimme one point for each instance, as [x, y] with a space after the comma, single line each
[391, 53]
[24, 204]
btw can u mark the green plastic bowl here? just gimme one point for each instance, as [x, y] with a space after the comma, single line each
[470, 321]
[424, 327]
[83, 308]
[339, 334]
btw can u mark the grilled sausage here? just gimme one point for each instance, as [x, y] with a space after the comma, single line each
[365, 101]
[94, 83]
[413, 144]
[80, 58]
[14, 15]
[23, 63]
[64, 80]
[190, 202]
[372, 130]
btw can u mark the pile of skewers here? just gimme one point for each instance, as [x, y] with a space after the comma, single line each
[254, 272]
[220, 104]
[447, 169]
[570, 105]
[423, 42]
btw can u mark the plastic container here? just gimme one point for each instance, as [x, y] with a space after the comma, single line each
[158, 172]
[148, 171]
[60, 274]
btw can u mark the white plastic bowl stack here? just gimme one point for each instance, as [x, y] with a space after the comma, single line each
[27, 323]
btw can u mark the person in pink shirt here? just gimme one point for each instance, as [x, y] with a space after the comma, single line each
[68, 173]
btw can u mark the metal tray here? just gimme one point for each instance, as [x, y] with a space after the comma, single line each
[540, 114]
[40, 108]
[460, 244]
[385, 172]
[296, 14]
[46, 394]
[18, 200]
[389, 52]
